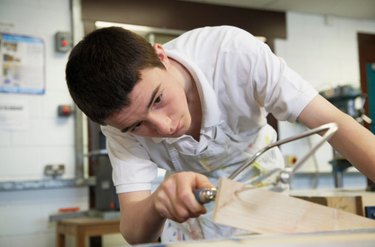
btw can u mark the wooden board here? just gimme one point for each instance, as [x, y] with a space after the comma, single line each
[264, 211]
[362, 238]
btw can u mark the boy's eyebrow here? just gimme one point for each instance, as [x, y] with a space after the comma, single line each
[153, 95]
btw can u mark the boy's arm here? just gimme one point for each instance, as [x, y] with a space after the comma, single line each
[143, 214]
[352, 140]
[135, 208]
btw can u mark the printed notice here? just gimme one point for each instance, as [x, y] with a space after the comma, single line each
[14, 115]
[22, 64]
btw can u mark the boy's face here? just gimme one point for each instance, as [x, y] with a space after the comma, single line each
[158, 107]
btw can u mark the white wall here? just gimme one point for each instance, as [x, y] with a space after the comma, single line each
[47, 139]
[24, 215]
[324, 50]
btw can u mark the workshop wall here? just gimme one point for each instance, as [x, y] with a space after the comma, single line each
[324, 50]
[46, 138]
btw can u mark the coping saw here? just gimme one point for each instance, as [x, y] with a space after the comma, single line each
[284, 175]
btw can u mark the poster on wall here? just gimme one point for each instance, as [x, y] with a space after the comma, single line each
[22, 64]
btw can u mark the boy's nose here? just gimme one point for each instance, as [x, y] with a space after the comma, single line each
[161, 123]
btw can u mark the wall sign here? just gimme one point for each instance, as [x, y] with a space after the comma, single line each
[22, 64]
[14, 115]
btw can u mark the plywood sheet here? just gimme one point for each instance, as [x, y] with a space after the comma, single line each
[264, 211]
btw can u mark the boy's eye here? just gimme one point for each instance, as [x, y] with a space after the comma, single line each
[158, 99]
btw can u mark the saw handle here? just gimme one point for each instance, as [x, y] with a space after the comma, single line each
[205, 195]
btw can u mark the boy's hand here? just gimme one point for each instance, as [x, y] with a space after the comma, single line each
[174, 199]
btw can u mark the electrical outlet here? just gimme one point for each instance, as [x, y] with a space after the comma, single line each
[54, 171]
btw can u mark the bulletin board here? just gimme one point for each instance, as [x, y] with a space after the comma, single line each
[22, 64]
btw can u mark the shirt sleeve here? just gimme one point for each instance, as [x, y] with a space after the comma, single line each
[246, 71]
[274, 85]
[132, 168]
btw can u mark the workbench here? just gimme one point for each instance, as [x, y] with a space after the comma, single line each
[349, 200]
[84, 227]
[362, 238]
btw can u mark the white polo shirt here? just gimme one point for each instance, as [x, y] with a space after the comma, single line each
[239, 81]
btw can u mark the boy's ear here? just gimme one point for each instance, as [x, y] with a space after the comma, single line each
[159, 50]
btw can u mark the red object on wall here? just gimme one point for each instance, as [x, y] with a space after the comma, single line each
[64, 110]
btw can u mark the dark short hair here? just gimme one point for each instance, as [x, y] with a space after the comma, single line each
[103, 69]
